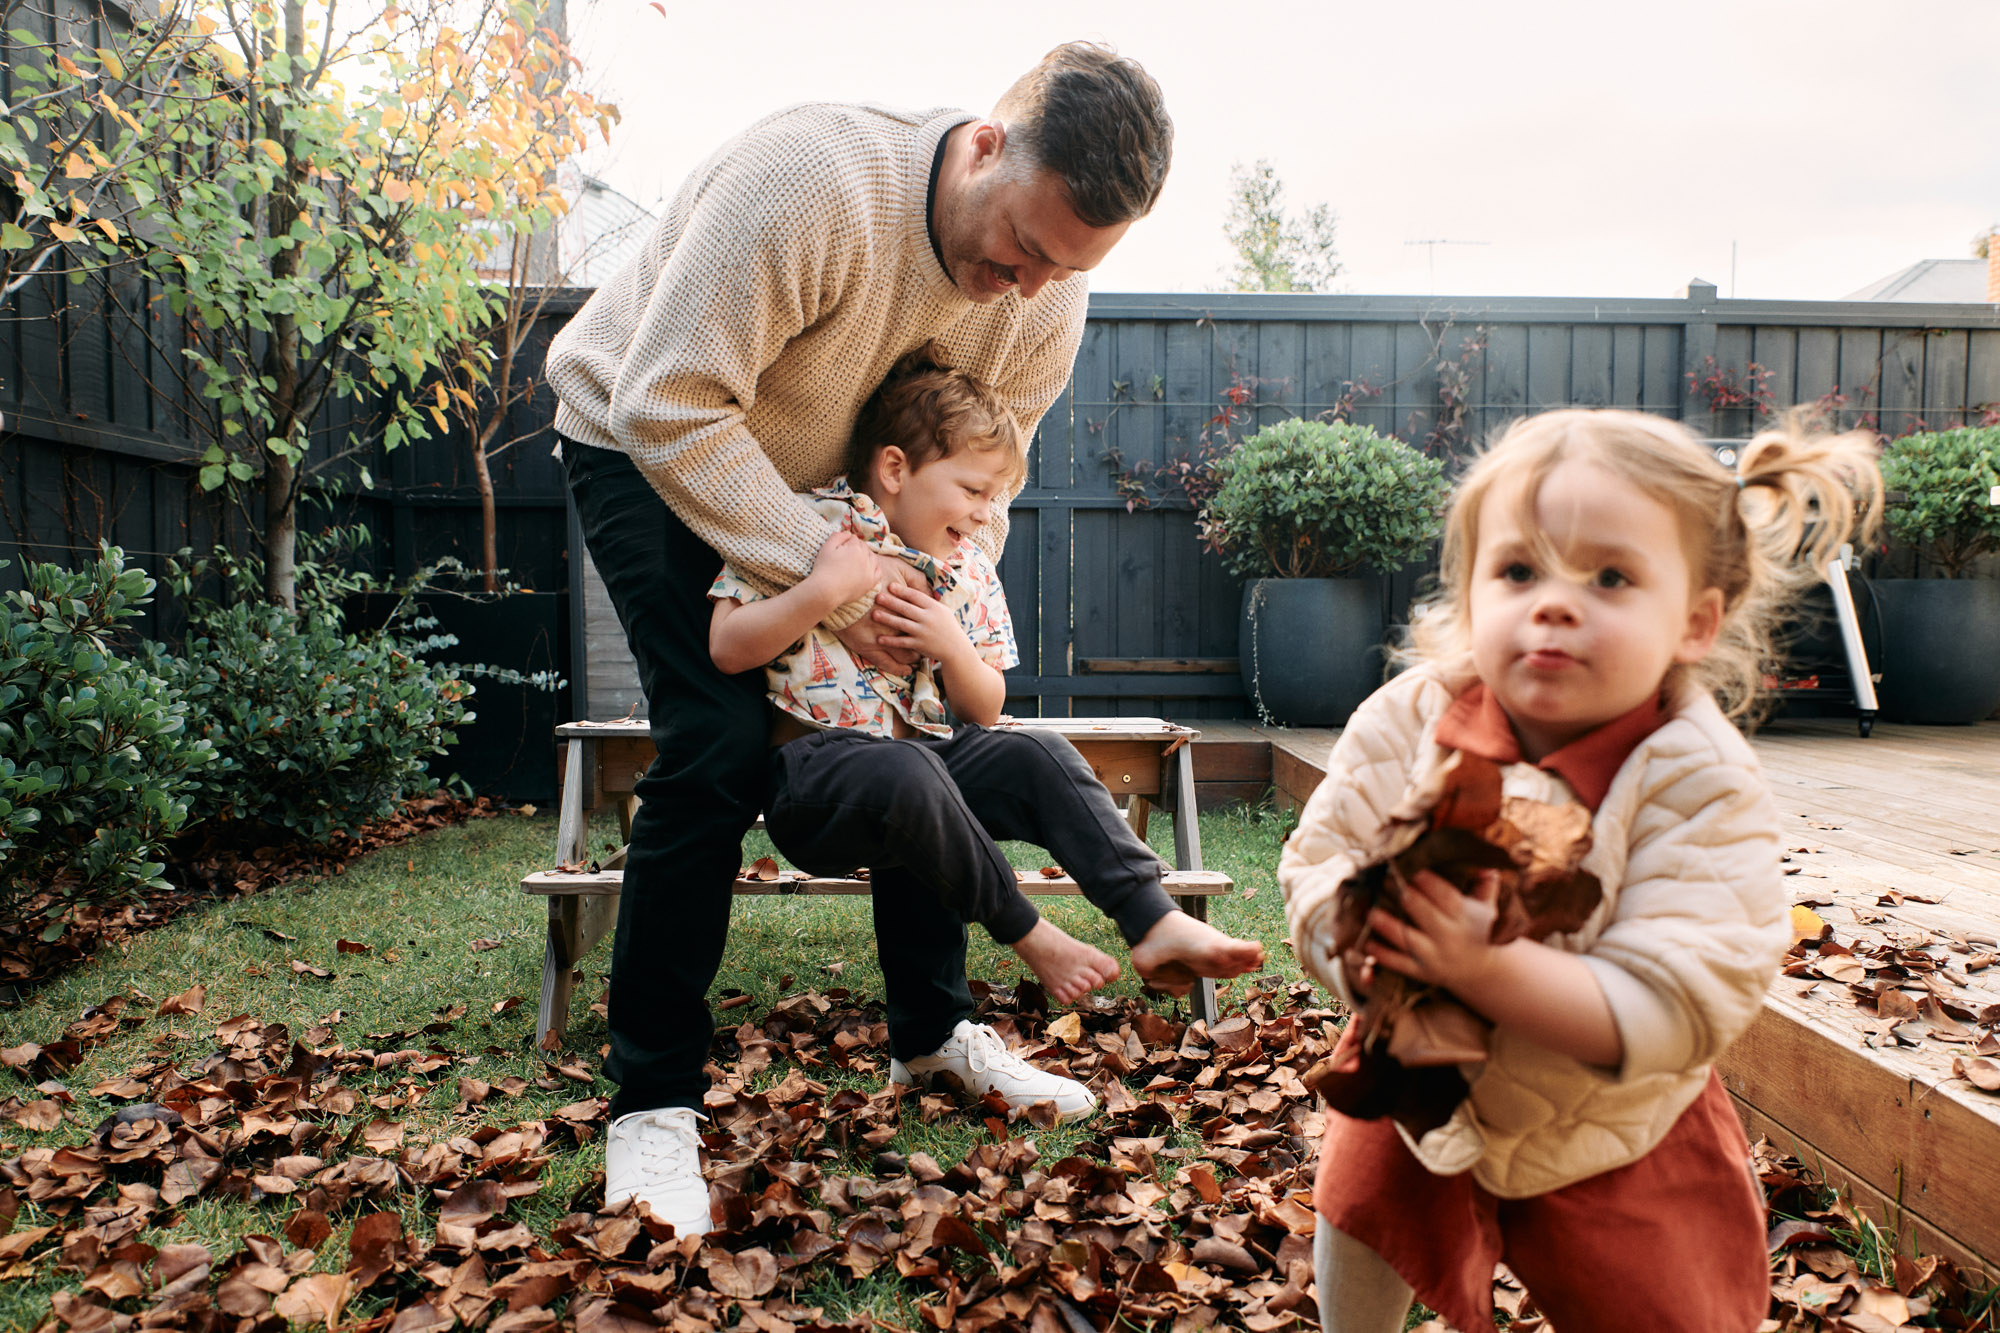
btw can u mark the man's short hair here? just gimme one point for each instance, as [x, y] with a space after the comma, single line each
[1096, 119]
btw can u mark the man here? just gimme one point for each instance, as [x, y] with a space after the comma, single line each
[720, 374]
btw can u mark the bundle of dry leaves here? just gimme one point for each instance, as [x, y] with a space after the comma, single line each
[1408, 1039]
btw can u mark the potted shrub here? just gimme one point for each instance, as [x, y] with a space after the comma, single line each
[1301, 508]
[1941, 636]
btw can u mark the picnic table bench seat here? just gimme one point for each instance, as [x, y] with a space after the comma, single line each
[1146, 761]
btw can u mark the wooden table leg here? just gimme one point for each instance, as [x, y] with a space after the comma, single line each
[1187, 856]
[576, 923]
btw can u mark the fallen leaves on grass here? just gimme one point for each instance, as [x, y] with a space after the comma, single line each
[200, 873]
[1186, 1205]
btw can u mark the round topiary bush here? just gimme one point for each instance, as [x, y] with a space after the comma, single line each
[1946, 479]
[1314, 499]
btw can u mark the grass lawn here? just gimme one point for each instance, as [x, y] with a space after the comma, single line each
[415, 974]
[439, 924]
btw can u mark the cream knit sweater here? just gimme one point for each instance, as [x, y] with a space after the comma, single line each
[792, 269]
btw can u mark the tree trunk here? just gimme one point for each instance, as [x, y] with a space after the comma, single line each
[281, 358]
[489, 552]
[281, 531]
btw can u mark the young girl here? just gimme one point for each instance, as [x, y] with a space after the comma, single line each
[868, 769]
[1605, 601]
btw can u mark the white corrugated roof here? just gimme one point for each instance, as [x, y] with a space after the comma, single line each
[1930, 281]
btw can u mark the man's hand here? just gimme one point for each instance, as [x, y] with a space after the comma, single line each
[845, 568]
[865, 638]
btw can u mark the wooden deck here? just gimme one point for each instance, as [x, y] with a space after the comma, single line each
[1894, 841]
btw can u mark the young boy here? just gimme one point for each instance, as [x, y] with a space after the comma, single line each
[868, 769]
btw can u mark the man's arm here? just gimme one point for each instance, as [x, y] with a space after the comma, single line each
[749, 266]
[745, 635]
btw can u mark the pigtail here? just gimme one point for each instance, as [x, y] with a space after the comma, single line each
[1799, 494]
[1803, 493]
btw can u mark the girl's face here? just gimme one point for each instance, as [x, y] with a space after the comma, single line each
[1565, 651]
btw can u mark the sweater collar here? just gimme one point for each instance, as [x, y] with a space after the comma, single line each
[916, 220]
[1476, 724]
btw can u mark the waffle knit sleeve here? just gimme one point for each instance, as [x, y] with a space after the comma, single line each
[766, 247]
[1032, 382]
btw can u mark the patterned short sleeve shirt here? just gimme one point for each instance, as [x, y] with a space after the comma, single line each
[818, 681]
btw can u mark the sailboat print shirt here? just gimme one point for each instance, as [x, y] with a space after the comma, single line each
[818, 681]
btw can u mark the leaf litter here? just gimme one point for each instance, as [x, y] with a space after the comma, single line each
[1187, 1207]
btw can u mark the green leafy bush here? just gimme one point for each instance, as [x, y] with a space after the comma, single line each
[1947, 480]
[1314, 499]
[324, 729]
[96, 760]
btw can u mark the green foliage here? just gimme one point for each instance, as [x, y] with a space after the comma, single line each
[309, 189]
[96, 762]
[1315, 499]
[1947, 480]
[1275, 251]
[324, 729]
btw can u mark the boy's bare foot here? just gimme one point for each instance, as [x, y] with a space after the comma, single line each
[1180, 950]
[1068, 968]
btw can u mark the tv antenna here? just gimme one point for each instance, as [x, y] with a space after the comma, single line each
[1430, 246]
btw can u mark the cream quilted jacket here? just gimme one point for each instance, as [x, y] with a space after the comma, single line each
[1690, 934]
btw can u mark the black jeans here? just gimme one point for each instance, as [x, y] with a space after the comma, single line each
[702, 792]
[929, 809]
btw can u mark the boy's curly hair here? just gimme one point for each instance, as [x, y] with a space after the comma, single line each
[930, 411]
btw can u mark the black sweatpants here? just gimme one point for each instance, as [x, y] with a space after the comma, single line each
[931, 807]
[700, 795]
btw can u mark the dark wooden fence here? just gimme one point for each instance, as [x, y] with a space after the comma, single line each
[1121, 612]
[1116, 612]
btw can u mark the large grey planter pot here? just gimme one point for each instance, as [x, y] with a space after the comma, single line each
[1940, 649]
[1311, 648]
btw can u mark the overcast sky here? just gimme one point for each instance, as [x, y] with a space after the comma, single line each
[1590, 149]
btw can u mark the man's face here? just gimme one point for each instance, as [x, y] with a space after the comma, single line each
[1003, 231]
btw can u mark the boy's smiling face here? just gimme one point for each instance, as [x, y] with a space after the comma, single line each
[1567, 650]
[934, 507]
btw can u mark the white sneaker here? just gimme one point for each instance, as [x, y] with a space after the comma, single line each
[656, 1156]
[981, 1063]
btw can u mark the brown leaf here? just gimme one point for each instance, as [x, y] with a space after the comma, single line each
[189, 1001]
[744, 1276]
[376, 1247]
[1982, 1074]
[352, 946]
[485, 945]
[38, 1117]
[305, 969]
[17, 1243]
[763, 868]
[315, 1299]
[308, 1229]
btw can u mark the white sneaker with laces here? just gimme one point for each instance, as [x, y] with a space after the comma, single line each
[656, 1156]
[981, 1063]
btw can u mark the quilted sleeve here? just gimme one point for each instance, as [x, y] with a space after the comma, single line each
[1699, 929]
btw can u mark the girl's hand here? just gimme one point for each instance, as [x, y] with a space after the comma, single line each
[845, 567]
[1448, 940]
[918, 621]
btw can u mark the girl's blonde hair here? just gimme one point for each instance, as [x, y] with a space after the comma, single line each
[1760, 535]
